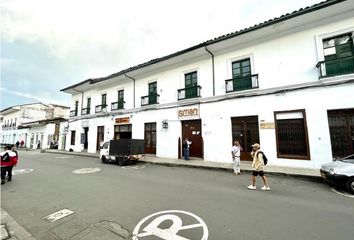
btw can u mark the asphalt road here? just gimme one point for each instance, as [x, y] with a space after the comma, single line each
[110, 203]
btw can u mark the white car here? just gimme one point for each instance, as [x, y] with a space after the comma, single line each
[118, 159]
[340, 173]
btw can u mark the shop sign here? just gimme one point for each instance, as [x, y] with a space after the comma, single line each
[124, 120]
[267, 125]
[190, 112]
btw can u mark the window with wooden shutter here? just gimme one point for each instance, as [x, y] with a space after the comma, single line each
[338, 53]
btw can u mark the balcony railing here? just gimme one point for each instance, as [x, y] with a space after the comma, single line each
[73, 113]
[330, 68]
[150, 99]
[85, 111]
[101, 108]
[242, 83]
[190, 92]
[117, 105]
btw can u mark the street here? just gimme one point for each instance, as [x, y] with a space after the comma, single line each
[109, 202]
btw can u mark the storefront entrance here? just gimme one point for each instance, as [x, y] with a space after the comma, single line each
[123, 131]
[246, 131]
[192, 129]
[150, 138]
[341, 128]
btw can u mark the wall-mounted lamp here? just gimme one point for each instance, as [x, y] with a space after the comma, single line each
[164, 124]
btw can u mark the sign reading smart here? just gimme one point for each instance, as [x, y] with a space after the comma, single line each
[187, 113]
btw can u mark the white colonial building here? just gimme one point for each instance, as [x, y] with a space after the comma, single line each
[34, 124]
[287, 83]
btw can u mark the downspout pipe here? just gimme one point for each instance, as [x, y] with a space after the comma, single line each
[133, 88]
[82, 98]
[213, 68]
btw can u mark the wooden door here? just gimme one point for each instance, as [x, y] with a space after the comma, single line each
[100, 136]
[192, 129]
[246, 131]
[150, 138]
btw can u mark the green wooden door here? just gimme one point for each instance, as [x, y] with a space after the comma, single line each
[338, 53]
[153, 93]
[241, 73]
[191, 85]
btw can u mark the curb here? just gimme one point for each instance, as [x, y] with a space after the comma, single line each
[171, 164]
[298, 176]
[11, 229]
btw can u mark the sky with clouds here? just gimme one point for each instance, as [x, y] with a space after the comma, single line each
[47, 45]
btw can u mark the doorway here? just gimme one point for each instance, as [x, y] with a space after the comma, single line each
[123, 131]
[246, 131]
[192, 129]
[100, 136]
[341, 128]
[86, 129]
[150, 138]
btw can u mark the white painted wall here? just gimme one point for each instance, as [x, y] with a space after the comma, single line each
[284, 60]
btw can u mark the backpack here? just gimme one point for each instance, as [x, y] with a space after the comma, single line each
[5, 157]
[265, 159]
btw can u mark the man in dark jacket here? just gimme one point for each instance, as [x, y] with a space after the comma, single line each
[8, 161]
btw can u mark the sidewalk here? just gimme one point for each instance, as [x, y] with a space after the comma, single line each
[10, 229]
[307, 173]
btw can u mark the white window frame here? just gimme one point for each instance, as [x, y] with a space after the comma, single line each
[239, 58]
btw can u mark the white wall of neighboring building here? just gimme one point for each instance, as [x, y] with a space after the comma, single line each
[26, 114]
[42, 133]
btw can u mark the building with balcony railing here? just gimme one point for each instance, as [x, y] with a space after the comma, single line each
[286, 83]
[30, 123]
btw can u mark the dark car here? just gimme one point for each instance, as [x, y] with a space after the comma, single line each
[340, 173]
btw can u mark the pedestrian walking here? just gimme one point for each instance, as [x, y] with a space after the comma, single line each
[22, 143]
[236, 154]
[9, 159]
[186, 146]
[258, 168]
[17, 144]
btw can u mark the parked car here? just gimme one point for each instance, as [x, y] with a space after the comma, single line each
[340, 173]
[122, 151]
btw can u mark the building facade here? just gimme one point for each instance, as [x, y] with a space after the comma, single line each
[34, 124]
[287, 83]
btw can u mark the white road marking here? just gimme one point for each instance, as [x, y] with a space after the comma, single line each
[171, 233]
[64, 157]
[342, 193]
[21, 171]
[134, 167]
[86, 170]
[58, 215]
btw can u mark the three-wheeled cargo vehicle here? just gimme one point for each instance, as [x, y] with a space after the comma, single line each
[122, 151]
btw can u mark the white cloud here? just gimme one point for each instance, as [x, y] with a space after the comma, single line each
[42, 97]
[105, 36]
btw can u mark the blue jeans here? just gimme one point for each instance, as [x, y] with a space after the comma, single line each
[186, 153]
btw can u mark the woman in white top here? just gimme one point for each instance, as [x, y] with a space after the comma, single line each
[236, 153]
